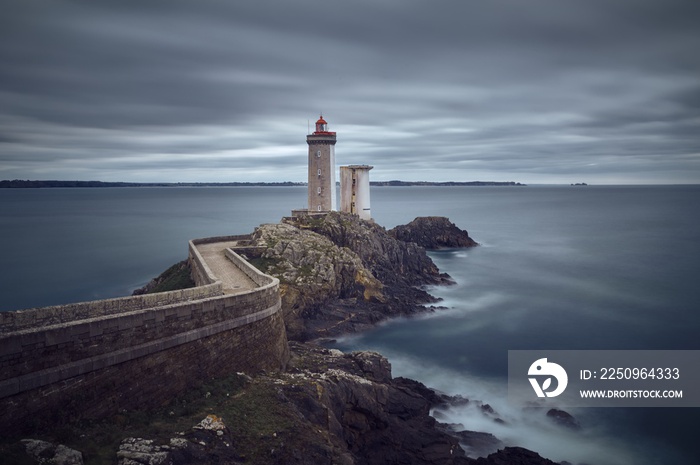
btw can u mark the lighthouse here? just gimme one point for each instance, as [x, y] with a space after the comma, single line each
[321, 168]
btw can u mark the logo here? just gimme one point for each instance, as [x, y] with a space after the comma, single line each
[544, 370]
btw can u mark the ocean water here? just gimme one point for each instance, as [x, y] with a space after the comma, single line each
[65, 245]
[559, 267]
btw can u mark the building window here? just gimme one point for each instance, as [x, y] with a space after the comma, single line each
[319, 208]
[319, 171]
[319, 191]
[318, 154]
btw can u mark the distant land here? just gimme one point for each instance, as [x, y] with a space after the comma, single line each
[20, 184]
[448, 183]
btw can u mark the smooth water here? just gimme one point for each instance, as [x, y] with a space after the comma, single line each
[65, 245]
[559, 268]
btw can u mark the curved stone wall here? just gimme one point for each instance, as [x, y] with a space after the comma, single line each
[34, 318]
[105, 355]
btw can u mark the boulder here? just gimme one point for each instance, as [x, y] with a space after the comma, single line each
[562, 418]
[433, 232]
[478, 444]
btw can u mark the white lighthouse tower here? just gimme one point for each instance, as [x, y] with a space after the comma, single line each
[354, 190]
[322, 196]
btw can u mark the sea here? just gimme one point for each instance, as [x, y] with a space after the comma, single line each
[558, 267]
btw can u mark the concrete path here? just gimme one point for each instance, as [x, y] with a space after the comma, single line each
[233, 279]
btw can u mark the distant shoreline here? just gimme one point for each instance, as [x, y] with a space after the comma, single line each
[22, 184]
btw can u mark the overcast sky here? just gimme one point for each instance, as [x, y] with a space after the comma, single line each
[534, 91]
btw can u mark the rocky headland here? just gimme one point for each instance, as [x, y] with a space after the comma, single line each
[338, 274]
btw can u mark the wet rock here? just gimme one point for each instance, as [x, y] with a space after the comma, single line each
[562, 418]
[478, 444]
[433, 232]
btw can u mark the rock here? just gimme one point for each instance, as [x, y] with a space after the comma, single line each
[138, 451]
[434, 398]
[562, 418]
[364, 411]
[212, 423]
[514, 456]
[313, 272]
[67, 456]
[433, 232]
[478, 444]
[340, 274]
[39, 449]
[47, 453]
[329, 407]
[208, 442]
[392, 261]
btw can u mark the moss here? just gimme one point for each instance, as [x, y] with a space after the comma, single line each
[305, 271]
[99, 440]
[174, 278]
[266, 265]
[265, 427]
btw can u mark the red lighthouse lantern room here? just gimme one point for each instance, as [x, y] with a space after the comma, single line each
[322, 127]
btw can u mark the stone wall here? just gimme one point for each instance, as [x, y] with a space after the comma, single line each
[47, 316]
[149, 381]
[102, 360]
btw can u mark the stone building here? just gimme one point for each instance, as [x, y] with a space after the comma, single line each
[354, 190]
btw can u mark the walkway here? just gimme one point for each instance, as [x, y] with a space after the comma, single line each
[232, 278]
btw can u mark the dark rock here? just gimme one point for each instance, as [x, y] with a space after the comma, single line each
[514, 456]
[377, 419]
[433, 232]
[562, 418]
[434, 398]
[478, 444]
[486, 408]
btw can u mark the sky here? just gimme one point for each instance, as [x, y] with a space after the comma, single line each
[531, 91]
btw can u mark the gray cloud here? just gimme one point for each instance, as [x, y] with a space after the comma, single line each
[536, 91]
